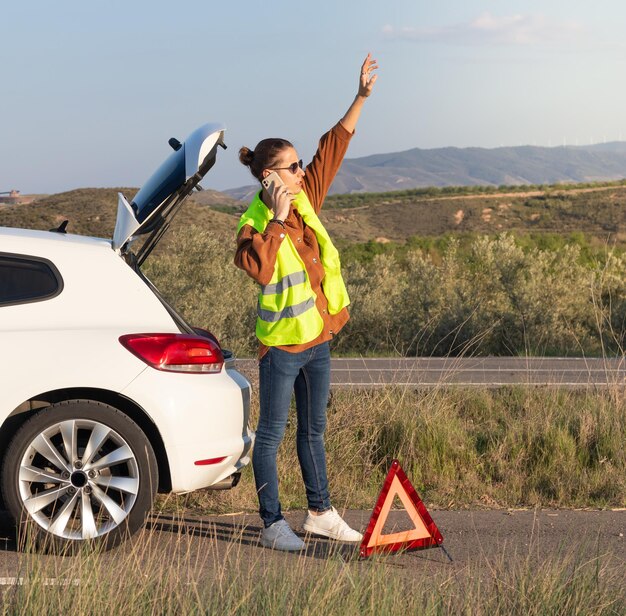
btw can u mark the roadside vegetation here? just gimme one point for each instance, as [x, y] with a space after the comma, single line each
[361, 199]
[461, 448]
[150, 578]
[500, 295]
[450, 271]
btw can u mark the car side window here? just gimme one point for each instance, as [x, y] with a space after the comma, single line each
[27, 279]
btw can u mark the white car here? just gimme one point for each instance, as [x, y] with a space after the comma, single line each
[108, 395]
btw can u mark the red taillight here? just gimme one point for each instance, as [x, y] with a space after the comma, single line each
[176, 352]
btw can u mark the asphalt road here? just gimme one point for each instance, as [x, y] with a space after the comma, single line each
[471, 371]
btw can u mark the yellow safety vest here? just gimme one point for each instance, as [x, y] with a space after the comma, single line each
[286, 311]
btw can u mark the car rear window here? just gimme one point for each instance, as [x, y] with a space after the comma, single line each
[27, 279]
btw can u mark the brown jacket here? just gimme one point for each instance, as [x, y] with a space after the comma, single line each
[256, 252]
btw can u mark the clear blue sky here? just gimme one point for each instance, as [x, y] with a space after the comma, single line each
[92, 90]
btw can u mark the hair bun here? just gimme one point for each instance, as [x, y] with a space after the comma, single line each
[246, 156]
[266, 155]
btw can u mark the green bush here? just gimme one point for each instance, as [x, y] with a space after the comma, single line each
[484, 295]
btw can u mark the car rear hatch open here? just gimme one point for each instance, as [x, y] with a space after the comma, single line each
[141, 223]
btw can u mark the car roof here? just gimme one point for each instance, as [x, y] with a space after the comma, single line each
[11, 238]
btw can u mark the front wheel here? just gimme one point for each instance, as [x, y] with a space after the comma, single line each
[79, 471]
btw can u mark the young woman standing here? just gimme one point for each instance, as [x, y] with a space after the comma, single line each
[282, 244]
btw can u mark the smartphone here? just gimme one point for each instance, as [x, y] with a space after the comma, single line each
[271, 182]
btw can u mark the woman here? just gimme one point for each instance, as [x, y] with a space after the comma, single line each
[282, 244]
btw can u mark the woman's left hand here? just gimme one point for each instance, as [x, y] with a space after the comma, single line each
[367, 80]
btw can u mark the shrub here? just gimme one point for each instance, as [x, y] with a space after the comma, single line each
[198, 277]
[492, 297]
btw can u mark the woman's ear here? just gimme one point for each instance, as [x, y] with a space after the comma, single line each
[265, 173]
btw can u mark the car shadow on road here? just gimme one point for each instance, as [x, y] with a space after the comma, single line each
[7, 533]
[247, 534]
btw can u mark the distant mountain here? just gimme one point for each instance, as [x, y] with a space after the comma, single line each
[475, 166]
[243, 193]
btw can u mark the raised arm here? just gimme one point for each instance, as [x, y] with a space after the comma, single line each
[366, 84]
[321, 171]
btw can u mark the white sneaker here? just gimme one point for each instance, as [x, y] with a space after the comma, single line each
[279, 536]
[331, 524]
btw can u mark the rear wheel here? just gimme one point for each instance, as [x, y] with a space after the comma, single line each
[79, 471]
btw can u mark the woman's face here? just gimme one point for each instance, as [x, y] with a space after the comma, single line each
[287, 161]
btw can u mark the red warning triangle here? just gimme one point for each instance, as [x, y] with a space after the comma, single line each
[425, 533]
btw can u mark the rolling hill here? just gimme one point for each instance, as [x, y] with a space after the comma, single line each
[92, 211]
[476, 166]
[598, 211]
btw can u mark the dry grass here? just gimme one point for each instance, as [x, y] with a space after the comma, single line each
[150, 576]
[462, 448]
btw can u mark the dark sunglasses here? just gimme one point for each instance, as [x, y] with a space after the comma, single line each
[293, 167]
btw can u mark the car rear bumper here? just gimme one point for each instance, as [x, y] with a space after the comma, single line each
[203, 421]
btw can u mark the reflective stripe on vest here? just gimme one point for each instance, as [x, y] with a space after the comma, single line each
[291, 280]
[286, 308]
[286, 313]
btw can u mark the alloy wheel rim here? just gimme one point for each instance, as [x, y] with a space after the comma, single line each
[78, 479]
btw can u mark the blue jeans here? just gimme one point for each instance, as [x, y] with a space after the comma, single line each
[308, 375]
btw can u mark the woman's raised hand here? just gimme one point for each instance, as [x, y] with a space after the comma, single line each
[367, 80]
[366, 85]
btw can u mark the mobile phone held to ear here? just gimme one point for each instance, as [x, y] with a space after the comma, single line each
[271, 182]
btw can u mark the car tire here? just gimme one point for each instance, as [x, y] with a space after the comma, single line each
[78, 472]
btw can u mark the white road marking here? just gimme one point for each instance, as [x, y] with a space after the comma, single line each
[464, 384]
[483, 370]
[20, 581]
